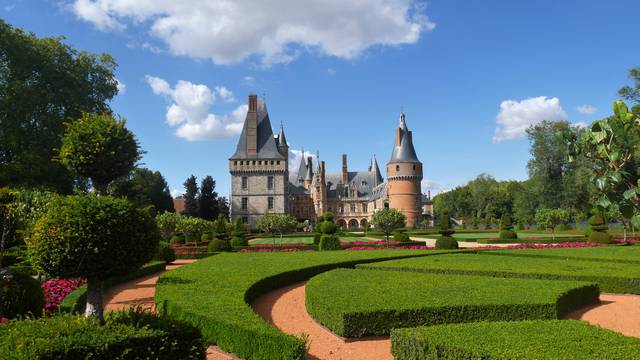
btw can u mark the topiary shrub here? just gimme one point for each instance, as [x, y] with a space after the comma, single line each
[599, 230]
[329, 242]
[166, 253]
[506, 228]
[474, 223]
[217, 245]
[23, 296]
[95, 238]
[327, 217]
[329, 228]
[316, 239]
[520, 226]
[177, 239]
[237, 241]
[206, 236]
[401, 236]
[446, 243]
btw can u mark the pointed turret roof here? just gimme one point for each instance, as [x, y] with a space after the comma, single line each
[309, 176]
[282, 140]
[266, 142]
[403, 150]
[302, 169]
[376, 171]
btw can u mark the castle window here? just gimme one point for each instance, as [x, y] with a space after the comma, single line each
[364, 208]
[317, 188]
[245, 203]
[353, 208]
[271, 162]
[254, 162]
[245, 182]
[386, 205]
[397, 167]
[270, 203]
[235, 163]
[414, 167]
[346, 192]
[341, 209]
[278, 162]
[270, 182]
[330, 209]
[245, 219]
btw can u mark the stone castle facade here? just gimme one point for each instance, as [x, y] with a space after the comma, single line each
[261, 182]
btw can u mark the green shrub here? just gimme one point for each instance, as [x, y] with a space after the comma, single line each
[446, 243]
[329, 242]
[474, 223]
[328, 217]
[401, 236]
[177, 239]
[395, 300]
[520, 226]
[316, 239]
[444, 224]
[599, 230]
[508, 235]
[126, 335]
[166, 253]
[238, 241]
[22, 297]
[329, 228]
[206, 236]
[217, 245]
[534, 339]
[614, 254]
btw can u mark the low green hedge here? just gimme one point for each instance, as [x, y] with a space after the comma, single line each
[76, 300]
[126, 335]
[356, 303]
[531, 241]
[219, 305]
[611, 277]
[538, 339]
[22, 297]
[615, 254]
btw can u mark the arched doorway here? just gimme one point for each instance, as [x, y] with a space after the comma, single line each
[341, 223]
[353, 224]
[364, 224]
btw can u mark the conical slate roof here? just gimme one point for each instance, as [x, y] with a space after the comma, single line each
[376, 171]
[309, 170]
[302, 169]
[404, 150]
[267, 147]
[282, 140]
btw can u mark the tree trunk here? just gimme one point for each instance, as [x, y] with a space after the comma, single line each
[94, 308]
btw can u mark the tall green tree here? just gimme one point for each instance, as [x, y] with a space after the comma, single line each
[43, 84]
[632, 93]
[190, 197]
[208, 199]
[145, 187]
[99, 147]
[223, 207]
[388, 220]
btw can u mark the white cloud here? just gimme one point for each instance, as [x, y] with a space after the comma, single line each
[189, 110]
[581, 125]
[516, 116]
[121, 87]
[331, 71]
[225, 94]
[294, 160]
[275, 31]
[434, 187]
[176, 192]
[586, 109]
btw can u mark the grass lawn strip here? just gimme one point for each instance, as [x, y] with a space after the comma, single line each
[214, 295]
[356, 303]
[611, 277]
[617, 254]
[538, 339]
[302, 240]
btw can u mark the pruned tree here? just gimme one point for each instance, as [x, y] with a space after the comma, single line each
[388, 220]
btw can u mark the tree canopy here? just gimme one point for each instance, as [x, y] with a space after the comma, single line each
[144, 187]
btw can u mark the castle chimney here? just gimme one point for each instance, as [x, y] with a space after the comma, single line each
[345, 174]
[252, 125]
[429, 194]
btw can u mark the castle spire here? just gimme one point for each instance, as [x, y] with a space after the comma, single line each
[403, 150]
[376, 171]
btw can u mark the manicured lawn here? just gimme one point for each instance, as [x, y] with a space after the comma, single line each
[611, 277]
[355, 303]
[302, 240]
[554, 339]
[620, 254]
[524, 235]
[213, 295]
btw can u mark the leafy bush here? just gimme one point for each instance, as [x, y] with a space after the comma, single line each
[329, 242]
[316, 239]
[329, 228]
[506, 228]
[23, 296]
[446, 242]
[508, 235]
[401, 236]
[327, 217]
[216, 245]
[599, 230]
[520, 226]
[444, 224]
[395, 300]
[238, 241]
[206, 236]
[166, 253]
[126, 335]
[534, 339]
[177, 239]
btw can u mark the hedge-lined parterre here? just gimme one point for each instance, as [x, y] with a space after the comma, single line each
[616, 254]
[610, 277]
[534, 339]
[132, 334]
[355, 303]
[214, 295]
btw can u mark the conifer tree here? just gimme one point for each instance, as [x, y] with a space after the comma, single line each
[190, 197]
[208, 199]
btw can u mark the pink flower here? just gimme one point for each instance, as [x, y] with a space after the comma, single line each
[55, 290]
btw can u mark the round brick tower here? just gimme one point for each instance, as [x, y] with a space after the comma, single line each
[404, 176]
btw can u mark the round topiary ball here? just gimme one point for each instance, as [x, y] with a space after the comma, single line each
[329, 228]
[401, 237]
[166, 253]
[446, 242]
[508, 235]
[239, 241]
[329, 242]
[22, 296]
[217, 245]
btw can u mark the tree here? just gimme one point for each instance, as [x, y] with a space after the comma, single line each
[167, 223]
[388, 220]
[193, 228]
[277, 224]
[144, 187]
[190, 197]
[99, 147]
[8, 224]
[551, 218]
[207, 199]
[43, 83]
[632, 93]
[223, 206]
[93, 237]
[506, 228]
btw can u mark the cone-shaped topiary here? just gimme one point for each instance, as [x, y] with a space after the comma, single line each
[506, 228]
[444, 227]
[599, 230]
[474, 223]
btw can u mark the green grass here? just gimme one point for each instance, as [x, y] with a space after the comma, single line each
[214, 295]
[611, 277]
[618, 254]
[524, 235]
[299, 240]
[356, 303]
[555, 339]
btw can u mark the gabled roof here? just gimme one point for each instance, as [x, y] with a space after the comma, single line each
[267, 147]
[404, 151]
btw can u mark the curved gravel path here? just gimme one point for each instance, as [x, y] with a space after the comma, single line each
[617, 312]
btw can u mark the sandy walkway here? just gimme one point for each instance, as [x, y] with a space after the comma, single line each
[617, 312]
[285, 308]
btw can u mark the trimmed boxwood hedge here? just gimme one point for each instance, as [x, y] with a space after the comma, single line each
[126, 335]
[76, 300]
[537, 339]
[611, 277]
[218, 305]
[615, 254]
[356, 303]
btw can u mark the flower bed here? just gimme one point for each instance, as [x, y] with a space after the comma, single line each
[55, 290]
[402, 247]
[276, 245]
[262, 249]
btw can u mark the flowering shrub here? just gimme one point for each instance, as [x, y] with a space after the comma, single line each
[55, 290]
[276, 245]
[404, 247]
[378, 242]
[629, 240]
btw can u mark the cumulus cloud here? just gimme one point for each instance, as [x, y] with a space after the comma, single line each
[177, 192]
[273, 31]
[225, 94]
[516, 116]
[294, 160]
[586, 109]
[434, 187]
[121, 87]
[189, 110]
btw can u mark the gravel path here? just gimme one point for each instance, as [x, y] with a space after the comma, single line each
[617, 312]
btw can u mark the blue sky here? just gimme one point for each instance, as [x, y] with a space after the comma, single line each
[470, 75]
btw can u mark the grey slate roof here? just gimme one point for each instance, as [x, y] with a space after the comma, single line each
[267, 147]
[298, 177]
[363, 183]
[376, 171]
[405, 151]
[309, 175]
